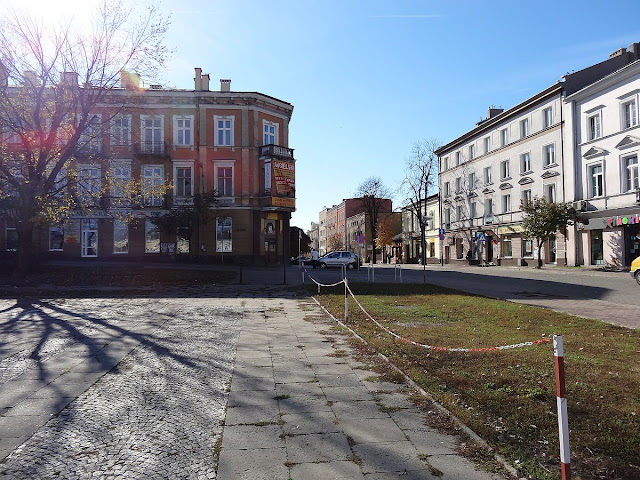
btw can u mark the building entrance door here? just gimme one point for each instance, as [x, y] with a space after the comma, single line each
[552, 251]
[489, 243]
[89, 237]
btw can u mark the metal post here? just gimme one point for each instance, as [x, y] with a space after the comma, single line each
[563, 421]
[346, 301]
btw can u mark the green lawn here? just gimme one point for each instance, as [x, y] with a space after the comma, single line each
[508, 397]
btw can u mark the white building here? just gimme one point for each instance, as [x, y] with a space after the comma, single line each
[411, 240]
[605, 143]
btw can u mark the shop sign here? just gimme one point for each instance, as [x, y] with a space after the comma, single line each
[621, 221]
[285, 176]
[510, 229]
[283, 202]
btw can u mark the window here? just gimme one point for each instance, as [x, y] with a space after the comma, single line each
[224, 234]
[90, 140]
[183, 130]
[447, 217]
[445, 164]
[472, 210]
[182, 179]
[224, 131]
[459, 213]
[121, 171]
[527, 247]
[629, 114]
[550, 192]
[487, 144]
[472, 152]
[270, 132]
[547, 117]
[506, 203]
[56, 238]
[224, 179]
[504, 137]
[488, 207]
[120, 236]
[153, 185]
[458, 184]
[447, 189]
[593, 126]
[121, 130]
[151, 237]
[525, 163]
[152, 134]
[524, 128]
[487, 175]
[472, 180]
[88, 186]
[526, 197]
[548, 155]
[11, 238]
[631, 173]
[506, 246]
[504, 170]
[597, 179]
[457, 159]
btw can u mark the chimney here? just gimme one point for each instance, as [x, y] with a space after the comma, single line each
[198, 79]
[129, 80]
[493, 111]
[69, 78]
[634, 49]
[205, 82]
[225, 85]
[618, 52]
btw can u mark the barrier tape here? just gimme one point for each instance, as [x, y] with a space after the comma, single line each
[318, 283]
[447, 349]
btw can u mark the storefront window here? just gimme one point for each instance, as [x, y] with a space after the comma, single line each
[506, 246]
[597, 257]
[56, 238]
[182, 240]
[224, 234]
[527, 247]
[151, 237]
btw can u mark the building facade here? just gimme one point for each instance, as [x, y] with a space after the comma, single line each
[177, 144]
[411, 233]
[604, 145]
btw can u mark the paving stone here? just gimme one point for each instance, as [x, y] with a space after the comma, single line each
[252, 437]
[373, 430]
[253, 414]
[321, 447]
[261, 464]
[358, 410]
[388, 457]
[455, 467]
[304, 403]
[312, 422]
[326, 471]
[349, 380]
[347, 394]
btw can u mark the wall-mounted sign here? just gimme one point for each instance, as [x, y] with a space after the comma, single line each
[285, 176]
[621, 221]
[283, 202]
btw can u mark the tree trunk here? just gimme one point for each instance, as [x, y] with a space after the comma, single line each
[25, 250]
[539, 254]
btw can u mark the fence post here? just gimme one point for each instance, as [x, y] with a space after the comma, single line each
[563, 421]
[346, 301]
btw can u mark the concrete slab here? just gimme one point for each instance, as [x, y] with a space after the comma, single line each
[245, 437]
[253, 415]
[347, 394]
[320, 447]
[304, 404]
[260, 464]
[373, 430]
[358, 410]
[311, 422]
[388, 457]
[326, 471]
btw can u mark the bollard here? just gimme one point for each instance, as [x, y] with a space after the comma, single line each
[563, 421]
[346, 301]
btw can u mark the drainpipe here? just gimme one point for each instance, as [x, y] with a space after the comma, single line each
[564, 193]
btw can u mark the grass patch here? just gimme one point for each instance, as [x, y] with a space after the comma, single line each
[508, 397]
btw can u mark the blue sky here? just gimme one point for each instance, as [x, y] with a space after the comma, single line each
[369, 78]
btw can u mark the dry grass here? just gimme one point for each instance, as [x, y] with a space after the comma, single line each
[509, 397]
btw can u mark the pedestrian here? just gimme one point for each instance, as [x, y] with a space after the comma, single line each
[314, 258]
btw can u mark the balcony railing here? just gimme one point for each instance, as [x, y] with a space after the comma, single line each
[272, 150]
[150, 148]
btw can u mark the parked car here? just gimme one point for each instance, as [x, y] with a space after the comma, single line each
[339, 258]
[635, 270]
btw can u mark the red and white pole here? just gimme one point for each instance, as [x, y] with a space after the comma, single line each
[346, 301]
[563, 421]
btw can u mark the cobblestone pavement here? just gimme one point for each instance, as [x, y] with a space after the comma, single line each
[156, 414]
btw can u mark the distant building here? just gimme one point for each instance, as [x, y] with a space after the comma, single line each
[411, 236]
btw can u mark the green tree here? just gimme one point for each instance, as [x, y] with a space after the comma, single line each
[374, 195]
[542, 219]
[295, 234]
[53, 78]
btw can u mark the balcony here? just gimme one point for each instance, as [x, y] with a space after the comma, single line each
[150, 148]
[272, 150]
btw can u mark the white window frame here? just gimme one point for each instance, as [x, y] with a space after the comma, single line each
[547, 117]
[121, 225]
[592, 175]
[179, 129]
[488, 206]
[487, 144]
[488, 175]
[217, 129]
[154, 145]
[445, 164]
[472, 180]
[504, 137]
[594, 126]
[459, 213]
[507, 240]
[458, 184]
[550, 192]
[525, 163]
[549, 155]
[524, 128]
[269, 124]
[628, 118]
[88, 192]
[527, 253]
[180, 165]
[506, 203]
[121, 131]
[526, 196]
[631, 171]
[472, 151]
[447, 189]
[224, 164]
[152, 200]
[473, 210]
[117, 168]
[458, 160]
[505, 172]
[224, 224]
[90, 139]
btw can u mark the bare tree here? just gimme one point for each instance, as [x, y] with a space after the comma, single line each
[375, 200]
[421, 179]
[53, 79]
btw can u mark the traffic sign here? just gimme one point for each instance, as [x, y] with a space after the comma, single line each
[360, 238]
[482, 237]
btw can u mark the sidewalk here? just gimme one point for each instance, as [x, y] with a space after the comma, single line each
[301, 408]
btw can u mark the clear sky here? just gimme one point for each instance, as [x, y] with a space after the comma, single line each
[367, 78]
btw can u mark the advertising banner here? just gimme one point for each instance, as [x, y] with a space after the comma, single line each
[285, 176]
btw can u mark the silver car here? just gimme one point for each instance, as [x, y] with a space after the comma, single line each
[339, 258]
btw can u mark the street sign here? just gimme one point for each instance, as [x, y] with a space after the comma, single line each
[482, 237]
[360, 238]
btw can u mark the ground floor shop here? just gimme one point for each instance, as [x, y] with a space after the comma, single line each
[252, 237]
[412, 252]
